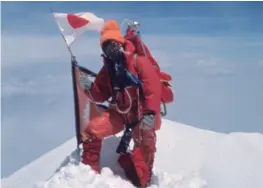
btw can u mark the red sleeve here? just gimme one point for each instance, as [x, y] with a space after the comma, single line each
[100, 90]
[150, 84]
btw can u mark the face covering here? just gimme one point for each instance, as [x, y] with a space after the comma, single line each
[113, 50]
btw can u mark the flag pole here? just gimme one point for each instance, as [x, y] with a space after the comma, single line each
[76, 100]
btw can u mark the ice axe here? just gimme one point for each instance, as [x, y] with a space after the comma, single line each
[135, 27]
[126, 138]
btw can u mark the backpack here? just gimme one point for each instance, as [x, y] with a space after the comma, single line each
[167, 95]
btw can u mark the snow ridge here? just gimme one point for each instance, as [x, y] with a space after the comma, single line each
[75, 174]
[186, 157]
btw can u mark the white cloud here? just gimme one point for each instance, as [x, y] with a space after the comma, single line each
[260, 63]
[200, 19]
[206, 62]
[182, 41]
[163, 58]
[215, 66]
[254, 44]
[219, 71]
[169, 50]
[23, 50]
[45, 86]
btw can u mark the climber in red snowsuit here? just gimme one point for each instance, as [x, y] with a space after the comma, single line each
[128, 104]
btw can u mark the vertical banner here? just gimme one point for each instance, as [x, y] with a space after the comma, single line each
[84, 109]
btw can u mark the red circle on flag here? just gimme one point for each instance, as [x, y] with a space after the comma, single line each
[76, 21]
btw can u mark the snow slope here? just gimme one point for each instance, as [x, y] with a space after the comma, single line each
[187, 157]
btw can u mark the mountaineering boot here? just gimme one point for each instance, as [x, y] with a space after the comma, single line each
[91, 152]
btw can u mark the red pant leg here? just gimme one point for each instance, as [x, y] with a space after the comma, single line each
[146, 141]
[109, 123]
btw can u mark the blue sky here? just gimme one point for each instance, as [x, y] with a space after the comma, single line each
[213, 50]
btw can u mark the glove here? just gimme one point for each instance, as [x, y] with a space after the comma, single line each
[85, 82]
[147, 122]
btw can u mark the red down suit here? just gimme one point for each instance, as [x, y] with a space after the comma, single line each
[127, 107]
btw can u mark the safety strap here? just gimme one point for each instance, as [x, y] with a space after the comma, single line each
[135, 67]
[135, 60]
[139, 91]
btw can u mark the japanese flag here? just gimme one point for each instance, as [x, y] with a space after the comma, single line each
[74, 25]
